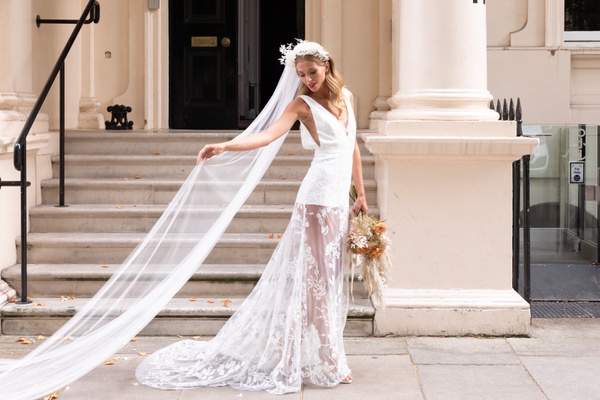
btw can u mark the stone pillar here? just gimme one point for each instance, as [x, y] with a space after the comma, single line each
[443, 168]
[16, 101]
[381, 103]
[89, 117]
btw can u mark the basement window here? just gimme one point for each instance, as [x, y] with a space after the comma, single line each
[582, 22]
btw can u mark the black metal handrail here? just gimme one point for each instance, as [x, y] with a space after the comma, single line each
[511, 113]
[94, 17]
[20, 149]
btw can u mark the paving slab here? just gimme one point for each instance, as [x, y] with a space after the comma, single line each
[460, 351]
[374, 377]
[565, 327]
[565, 347]
[559, 361]
[476, 382]
[375, 346]
[565, 378]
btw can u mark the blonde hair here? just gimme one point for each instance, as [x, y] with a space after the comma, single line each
[333, 81]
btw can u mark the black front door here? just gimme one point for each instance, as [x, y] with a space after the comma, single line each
[203, 64]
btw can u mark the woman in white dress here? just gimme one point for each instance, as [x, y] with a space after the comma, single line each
[290, 328]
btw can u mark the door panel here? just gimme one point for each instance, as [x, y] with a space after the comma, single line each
[203, 64]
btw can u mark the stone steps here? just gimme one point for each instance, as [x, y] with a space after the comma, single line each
[88, 166]
[84, 280]
[154, 191]
[267, 219]
[118, 183]
[180, 317]
[164, 142]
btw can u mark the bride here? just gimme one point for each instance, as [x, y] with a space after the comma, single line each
[290, 327]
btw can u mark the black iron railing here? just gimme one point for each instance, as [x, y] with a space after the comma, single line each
[521, 199]
[92, 10]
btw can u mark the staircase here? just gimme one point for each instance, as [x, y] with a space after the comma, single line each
[118, 183]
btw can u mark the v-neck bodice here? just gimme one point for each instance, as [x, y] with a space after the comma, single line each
[330, 130]
[328, 179]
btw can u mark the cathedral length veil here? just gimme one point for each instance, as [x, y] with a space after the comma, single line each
[156, 269]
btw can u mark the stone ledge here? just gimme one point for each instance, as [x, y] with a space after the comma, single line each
[448, 148]
[414, 312]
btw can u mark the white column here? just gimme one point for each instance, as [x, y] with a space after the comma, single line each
[89, 116]
[443, 169]
[381, 103]
[16, 100]
[441, 56]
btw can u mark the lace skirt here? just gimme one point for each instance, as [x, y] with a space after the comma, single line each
[289, 329]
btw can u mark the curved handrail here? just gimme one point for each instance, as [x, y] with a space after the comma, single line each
[20, 148]
[19, 157]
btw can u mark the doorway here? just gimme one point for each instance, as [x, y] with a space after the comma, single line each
[223, 57]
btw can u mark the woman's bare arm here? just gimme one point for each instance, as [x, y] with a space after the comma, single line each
[273, 132]
[357, 178]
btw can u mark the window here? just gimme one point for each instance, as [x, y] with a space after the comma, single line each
[582, 21]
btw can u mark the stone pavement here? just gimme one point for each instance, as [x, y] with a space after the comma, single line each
[561, 360]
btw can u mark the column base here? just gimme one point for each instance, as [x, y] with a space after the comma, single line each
[89, 117]
[90, 120]
[421, 312]
[6, 292]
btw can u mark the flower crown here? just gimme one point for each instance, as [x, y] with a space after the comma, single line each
[302, 48]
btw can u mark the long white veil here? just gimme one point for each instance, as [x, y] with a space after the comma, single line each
[157, 268]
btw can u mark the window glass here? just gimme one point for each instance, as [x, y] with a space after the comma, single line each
[582, 15]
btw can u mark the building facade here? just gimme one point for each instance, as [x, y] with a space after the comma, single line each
[382, 48]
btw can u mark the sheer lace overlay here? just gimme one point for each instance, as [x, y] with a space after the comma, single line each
[290, 328]
[172, 251]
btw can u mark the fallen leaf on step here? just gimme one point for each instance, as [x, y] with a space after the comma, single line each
[197, 337]
[13, 300]
[53, 396]
[156, 153]
[210, 301]
[119, 207]
[22, 340]
[105, 266]
[109, 362]
[133, 340]
[137, 177]
[270, 236]
[226, 302]
[142, 353]
[193, 299]
[67, 298]
[41, 337]
[38, 304]
[179, 337]
[117, 358]
[280, 235]
[125, 179]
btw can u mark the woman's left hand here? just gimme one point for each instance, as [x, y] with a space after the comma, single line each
[361, 204]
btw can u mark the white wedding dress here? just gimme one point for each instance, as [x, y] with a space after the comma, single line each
[290, 328]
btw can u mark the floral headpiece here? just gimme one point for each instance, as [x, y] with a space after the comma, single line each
[302, 48]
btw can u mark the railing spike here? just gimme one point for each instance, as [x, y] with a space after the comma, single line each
[499, 109]
[511, 110]
[492, 105]
[505, 111]
[519, 112]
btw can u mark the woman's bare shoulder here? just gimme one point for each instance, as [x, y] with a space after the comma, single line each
[299, 106]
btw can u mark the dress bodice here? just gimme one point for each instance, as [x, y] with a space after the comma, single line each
[328, 180]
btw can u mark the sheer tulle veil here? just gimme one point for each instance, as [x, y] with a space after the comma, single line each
[156, 269]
